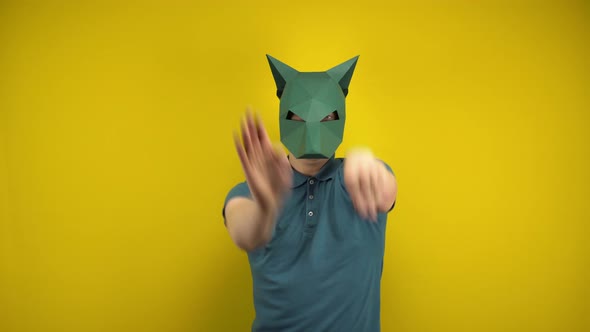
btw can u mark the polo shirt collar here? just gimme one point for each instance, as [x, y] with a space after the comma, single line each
[328, 171]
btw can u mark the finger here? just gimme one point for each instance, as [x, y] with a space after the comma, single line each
[277, 158]
[269, 155]
[365, 191]
[253, 131]
[279, 155]
[246, 137]
[283, 166]
[263, 136]
[353, 186]
[243, 156]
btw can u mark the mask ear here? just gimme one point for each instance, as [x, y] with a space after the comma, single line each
[281, 73]
[343, 73]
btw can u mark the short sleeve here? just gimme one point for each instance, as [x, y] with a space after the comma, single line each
[239, 190]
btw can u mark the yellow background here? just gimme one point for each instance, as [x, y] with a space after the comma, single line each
[116, 155]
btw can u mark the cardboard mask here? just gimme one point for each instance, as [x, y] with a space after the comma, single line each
[307, 99]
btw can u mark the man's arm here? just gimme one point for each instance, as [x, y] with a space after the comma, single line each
[249, 226]
[250, 222]
[371, 186]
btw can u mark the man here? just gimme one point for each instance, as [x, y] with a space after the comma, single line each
[313, 225]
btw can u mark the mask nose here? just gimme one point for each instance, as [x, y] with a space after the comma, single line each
[313, 141]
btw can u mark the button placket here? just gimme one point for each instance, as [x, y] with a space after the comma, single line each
[311, 212]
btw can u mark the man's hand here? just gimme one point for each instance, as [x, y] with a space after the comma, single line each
[267, 169]
[372, 188]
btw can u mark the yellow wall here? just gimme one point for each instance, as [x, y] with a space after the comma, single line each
[116, 155]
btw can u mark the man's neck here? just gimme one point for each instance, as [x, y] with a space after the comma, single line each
[307, 167]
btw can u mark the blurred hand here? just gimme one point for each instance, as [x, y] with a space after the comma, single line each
[267, 169]
[365, 178]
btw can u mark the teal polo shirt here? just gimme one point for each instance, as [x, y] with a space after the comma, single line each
[321, 271]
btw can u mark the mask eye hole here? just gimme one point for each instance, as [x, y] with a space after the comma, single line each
[331, 117]
[294, 117]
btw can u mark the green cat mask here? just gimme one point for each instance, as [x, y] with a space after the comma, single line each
[306, 101]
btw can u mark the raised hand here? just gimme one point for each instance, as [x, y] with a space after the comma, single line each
[267, 169]
[372, 188]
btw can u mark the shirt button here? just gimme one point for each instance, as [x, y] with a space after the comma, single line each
[311, 181]
[310, 213]
[310, 196]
